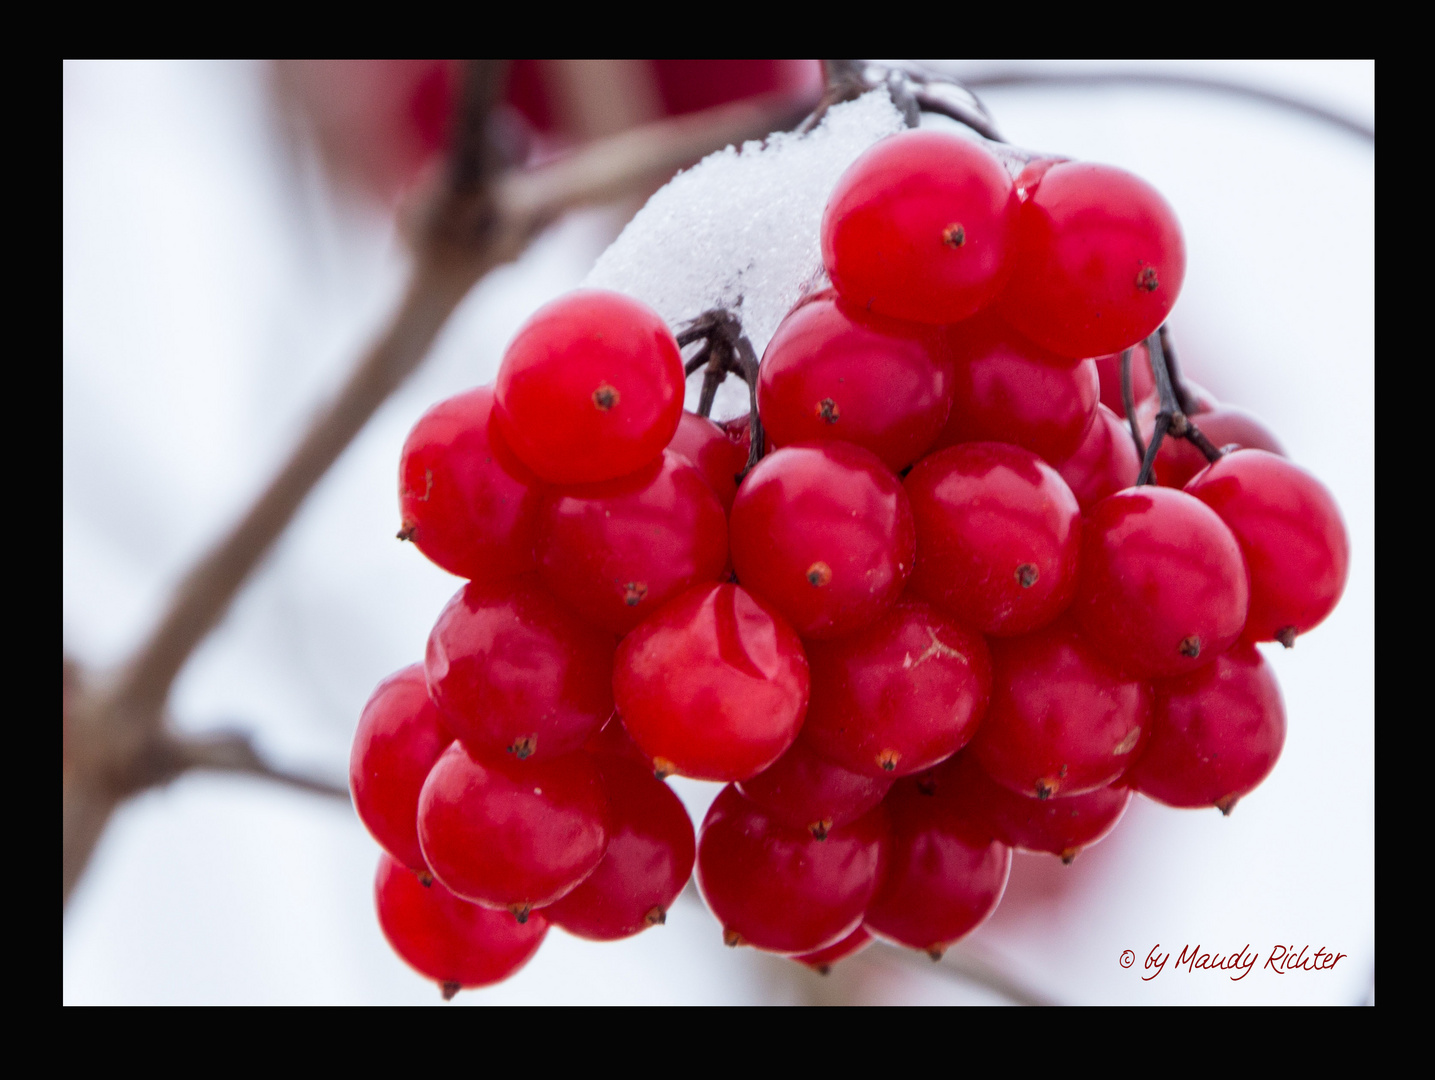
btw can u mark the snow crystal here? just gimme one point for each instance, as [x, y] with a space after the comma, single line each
[739, 230]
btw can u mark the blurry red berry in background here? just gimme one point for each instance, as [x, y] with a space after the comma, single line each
[682, 86]
[378, 123]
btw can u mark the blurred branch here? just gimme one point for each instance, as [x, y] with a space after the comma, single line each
[1165, 79]
[481, 215]
[234, 752]
[964, 964]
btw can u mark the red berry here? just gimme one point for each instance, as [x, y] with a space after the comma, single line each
[1105, 463]
[1008, 389]
[1163, 586]
[804, 790]
[1062, 721]
[945, 874]
[445, 938]
[823, 532]
[466, 501]
[648, 861]
[398, 740]
[618, 550]
[899, 695]
[1061, 826]
[511, 669]
[613, 740]
[1143, 382]
[822, 960]
[921, 227]
[1291, 535]
[713, 686]
[590, 388]
[713, 452]
[998, 535]
[779, 888]
[1217, 733]
[835, 372]
[513, 834]
[1100, 261]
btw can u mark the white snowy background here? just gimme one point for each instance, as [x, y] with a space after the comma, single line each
[215, 289]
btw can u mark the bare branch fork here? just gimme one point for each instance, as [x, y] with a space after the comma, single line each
[1176, 406]
[484, 212]
[725, 351]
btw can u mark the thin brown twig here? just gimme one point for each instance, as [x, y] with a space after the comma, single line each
[729, 353]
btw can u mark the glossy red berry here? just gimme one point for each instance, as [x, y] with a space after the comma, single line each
[780, 889]
[1062, 825]
[823, 960]
[1062, 721]
[648, 861]
[1163, 586]
[998, 536]
[1291, 535]
[716, 455]
[590, 388]
[1008, 389]
[618, 550]
[1100, 261]
[465, 500]
[805, 790]
[1104, 464]
[513, 671]
[835, 372]
[823, 532]
[397, 742]
[513, 834]
[945, 873]
[713, 686]
[1217, 733]
[920, 227]
[445, 938]
[899, 695]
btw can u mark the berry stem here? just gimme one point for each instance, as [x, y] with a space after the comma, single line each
[1172, 418]
[1128, 402]
[1173, 368]
[725, 351]
[913, 92]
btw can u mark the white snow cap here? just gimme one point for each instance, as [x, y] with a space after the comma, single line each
[740, 230]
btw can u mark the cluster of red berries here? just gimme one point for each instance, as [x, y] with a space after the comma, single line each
[937, 620]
